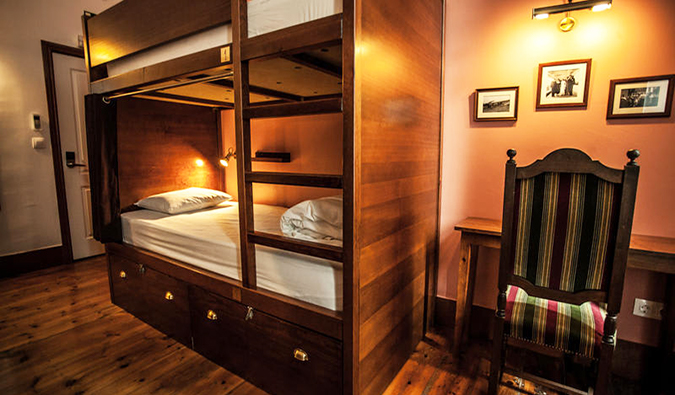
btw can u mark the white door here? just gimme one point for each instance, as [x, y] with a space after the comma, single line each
[70, 77]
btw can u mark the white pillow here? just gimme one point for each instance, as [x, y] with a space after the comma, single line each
[183, 200]
[319, 219]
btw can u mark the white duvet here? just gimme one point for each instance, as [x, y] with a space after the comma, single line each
[318, 220]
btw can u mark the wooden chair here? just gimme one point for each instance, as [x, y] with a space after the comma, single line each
[565, 235]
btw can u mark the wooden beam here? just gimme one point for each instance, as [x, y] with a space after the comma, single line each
[202, 61]
[188, 100]
[315, 63]
[309, 107]
[261, 91]
[318, 250]
[243, 137]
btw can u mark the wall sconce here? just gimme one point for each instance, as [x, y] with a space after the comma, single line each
[566, 24]
[224, 161]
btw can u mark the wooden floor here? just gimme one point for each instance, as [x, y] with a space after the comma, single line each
[59, 334]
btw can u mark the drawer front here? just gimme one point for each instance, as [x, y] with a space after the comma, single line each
[218, 330]
[151, 296]
[264, 349]
[276, 348]
[126, 282]
[167, 305]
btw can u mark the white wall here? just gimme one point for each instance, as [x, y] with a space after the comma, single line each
[28, 210]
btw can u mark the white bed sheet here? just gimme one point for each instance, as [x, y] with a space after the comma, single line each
[264, 16]
[209, 239]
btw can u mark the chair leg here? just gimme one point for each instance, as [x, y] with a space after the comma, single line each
[606, 354]
[498, 346]
[497, 360]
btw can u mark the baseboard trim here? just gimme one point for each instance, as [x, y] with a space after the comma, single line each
[633, 361]
[14, 265]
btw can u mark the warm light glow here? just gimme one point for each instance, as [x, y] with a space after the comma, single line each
[199, 162]
[223, 163]
[541, 16]
[601, 7]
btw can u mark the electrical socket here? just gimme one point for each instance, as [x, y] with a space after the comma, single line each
[647, 308]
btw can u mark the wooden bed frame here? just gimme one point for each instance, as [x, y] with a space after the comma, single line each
[390, 100]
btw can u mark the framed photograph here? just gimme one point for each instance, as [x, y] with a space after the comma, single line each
[640, 97]
[496, 104]
[563, 84]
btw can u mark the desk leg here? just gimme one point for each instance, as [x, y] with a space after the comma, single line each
[668, 336]
[465, 284]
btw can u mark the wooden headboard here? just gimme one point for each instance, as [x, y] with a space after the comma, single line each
[159, 144]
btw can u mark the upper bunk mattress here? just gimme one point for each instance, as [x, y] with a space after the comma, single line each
[209, 239]
[264, 16]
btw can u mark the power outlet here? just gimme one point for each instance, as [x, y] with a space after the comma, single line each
[647, 308]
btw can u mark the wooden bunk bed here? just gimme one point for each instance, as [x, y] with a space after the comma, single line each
[145, 119]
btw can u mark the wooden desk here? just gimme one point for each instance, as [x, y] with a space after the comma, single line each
[646, 253]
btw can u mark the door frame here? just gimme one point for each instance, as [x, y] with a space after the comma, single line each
[48, 51]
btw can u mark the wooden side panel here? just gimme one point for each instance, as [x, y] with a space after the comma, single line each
[398, 129]
[101, 124]
[159, 145]
[125, 28]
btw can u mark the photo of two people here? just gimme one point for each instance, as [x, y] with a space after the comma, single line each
[562, 83]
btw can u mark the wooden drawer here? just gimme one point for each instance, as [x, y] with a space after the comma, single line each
[157, 299]
[126, 282]
[261, 349]
[218, 330]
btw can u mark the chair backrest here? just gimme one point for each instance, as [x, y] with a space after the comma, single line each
[566, 226]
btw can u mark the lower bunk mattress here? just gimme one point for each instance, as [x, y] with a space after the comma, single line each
[209, 239]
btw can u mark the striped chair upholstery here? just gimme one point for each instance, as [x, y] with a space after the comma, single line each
[562, 229]
[564, 326]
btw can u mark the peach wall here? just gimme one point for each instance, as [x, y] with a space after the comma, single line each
[495, 44]
[315, 144]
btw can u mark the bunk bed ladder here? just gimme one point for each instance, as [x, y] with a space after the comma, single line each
[325, 31]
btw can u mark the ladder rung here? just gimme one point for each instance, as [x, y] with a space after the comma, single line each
[309, 107]
[306, 180]
[325, 31]
[318, 250]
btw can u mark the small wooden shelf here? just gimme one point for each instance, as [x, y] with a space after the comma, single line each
[267, 156]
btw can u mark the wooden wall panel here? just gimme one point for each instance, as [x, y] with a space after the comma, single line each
[398, 178]
[158, 145]
[125, 28]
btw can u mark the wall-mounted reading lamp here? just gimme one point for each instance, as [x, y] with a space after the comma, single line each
[567, 23]
[224, 161]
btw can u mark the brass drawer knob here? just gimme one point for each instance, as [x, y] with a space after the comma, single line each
[300, 355]
[249, 313]
[211, 315]
[123, 274]
[168, 295]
